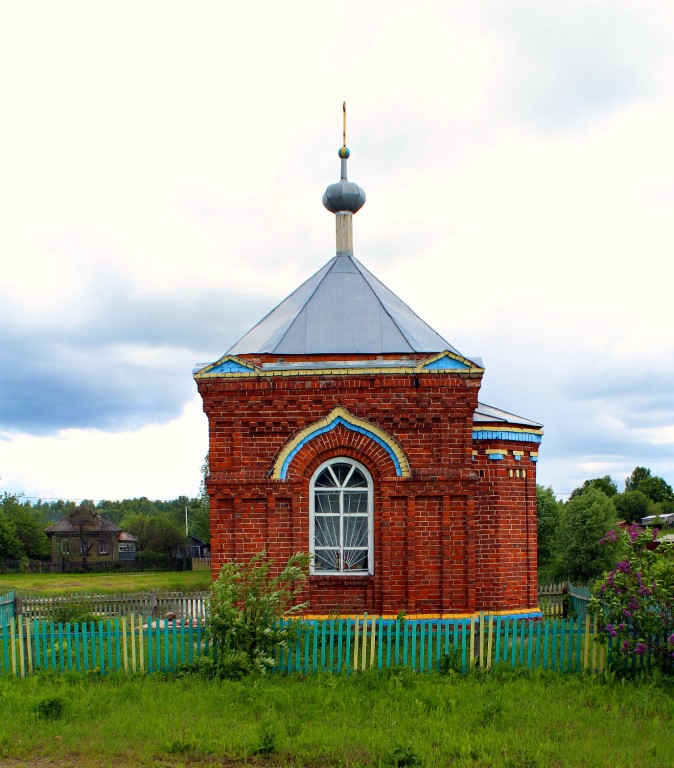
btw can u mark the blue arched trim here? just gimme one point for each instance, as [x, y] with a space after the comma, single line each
[328, 428]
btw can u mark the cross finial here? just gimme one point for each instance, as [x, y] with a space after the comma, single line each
[344, 124]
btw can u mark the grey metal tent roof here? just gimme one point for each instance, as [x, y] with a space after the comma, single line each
[488, 414]
[341, 309]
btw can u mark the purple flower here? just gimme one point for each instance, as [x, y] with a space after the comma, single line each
[640, 648]
[670, 639]
[609, 537]
[634, 532]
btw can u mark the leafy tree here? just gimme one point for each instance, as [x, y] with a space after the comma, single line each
[28, 524]
[638, 475]
[82, 520]
[199, 508]
[159, 534]
[635, 601]
[584, 520]
[200, 520]
[10, 544]
[631, 506]
[247, 610]
[547, 512]
[655, 487]
[604, 484]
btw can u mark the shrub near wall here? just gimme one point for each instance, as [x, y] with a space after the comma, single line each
[635, 602]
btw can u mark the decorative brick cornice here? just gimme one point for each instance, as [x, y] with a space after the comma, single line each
[233, 367]
[511, 434]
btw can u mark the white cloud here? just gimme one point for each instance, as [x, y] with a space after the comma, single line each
[157, 461]
[170, 164]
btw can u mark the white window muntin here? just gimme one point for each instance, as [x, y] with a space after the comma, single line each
[336, 512]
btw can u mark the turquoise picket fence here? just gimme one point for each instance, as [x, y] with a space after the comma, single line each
[129, 644]
[341, 645]
[562, 599]
[580, 597]
[133, 644]
[6, 609]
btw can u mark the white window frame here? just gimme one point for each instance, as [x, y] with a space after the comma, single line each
[370, 520]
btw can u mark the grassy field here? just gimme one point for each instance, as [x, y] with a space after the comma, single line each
[108, 583]
[402, 719]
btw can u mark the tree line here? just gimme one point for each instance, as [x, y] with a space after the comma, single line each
[571, 534]
[158, 525]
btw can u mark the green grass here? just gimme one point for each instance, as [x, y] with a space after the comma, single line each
[502, 720]
[107, 583]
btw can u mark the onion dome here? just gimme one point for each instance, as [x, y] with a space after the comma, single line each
[344, 196]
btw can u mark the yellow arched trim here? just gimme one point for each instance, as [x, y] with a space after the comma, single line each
[338, 416]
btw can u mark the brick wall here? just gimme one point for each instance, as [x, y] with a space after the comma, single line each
[446, 539]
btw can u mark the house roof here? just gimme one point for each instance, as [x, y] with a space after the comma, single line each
[342, 309]
[93, 523]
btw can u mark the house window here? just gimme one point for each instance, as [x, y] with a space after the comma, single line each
[341, 518]
[103, 547]
[127, 546]
[65, 546]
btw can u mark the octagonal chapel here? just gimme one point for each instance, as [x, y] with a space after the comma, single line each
[343, 425]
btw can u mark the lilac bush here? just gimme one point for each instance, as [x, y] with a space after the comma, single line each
[635, 600]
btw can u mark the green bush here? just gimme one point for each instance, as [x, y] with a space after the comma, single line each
[635, 602]
[402, 756]
[51, 708]
[267, 743]
[248, 611]
[70, 611]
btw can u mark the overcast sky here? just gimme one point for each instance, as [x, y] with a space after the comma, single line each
[161, 173]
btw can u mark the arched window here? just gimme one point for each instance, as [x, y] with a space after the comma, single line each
[340, 526]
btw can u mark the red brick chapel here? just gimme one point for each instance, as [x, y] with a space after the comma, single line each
[343, 425]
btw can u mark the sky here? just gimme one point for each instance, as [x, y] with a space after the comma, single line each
[161, 172]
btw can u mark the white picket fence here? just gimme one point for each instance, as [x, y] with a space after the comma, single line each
[184, 605]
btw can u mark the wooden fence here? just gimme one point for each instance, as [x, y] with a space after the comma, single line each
[183, 604]
[6, 609]
[131, 644]
[127, 644]
[563, 600]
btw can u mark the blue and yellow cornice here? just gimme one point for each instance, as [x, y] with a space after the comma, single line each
[232, 367]
[513, 434]
[340, 416]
